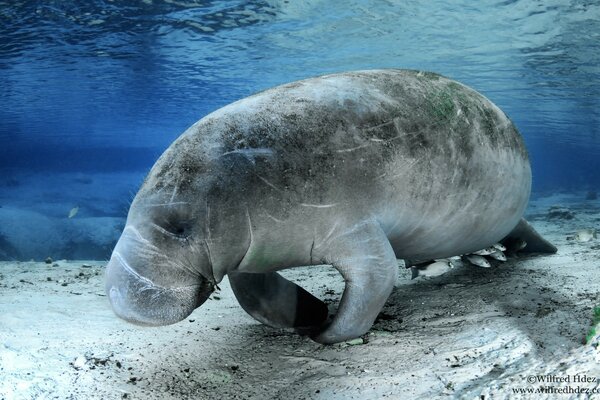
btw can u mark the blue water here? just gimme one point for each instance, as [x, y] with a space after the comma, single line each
[93, 91]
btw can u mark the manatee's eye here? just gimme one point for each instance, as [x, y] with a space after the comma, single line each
[181, 229]
[174, 218]
[173, 225]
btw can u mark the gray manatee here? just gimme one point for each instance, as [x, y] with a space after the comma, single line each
[354, 170]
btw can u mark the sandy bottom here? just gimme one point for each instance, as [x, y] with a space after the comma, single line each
[471, 333]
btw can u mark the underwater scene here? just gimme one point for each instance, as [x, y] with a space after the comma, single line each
[299, 199]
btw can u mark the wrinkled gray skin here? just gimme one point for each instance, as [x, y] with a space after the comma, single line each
[354, 170]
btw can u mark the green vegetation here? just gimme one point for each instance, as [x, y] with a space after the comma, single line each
[489, 121]
[595, 321]
[445, 102]
[441, 105]
[428, 75]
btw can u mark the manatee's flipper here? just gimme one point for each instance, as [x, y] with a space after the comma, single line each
[277, 302]
[366, 260]
[533, 241]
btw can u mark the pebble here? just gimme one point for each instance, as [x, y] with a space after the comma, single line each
[79, 362]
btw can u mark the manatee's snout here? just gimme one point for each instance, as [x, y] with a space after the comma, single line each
[138, 300]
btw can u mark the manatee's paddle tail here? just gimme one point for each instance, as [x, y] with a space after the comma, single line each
[524, 235]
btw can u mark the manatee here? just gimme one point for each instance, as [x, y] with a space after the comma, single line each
[353, 170]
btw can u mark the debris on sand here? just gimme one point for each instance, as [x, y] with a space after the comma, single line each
[79, 362]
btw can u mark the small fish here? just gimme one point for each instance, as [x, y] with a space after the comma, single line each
[520, 244]
[485, 252]
[455, 261]
[498, 255]
[73, 211]
[478, 261]
[499, 246]
[585, 235]
[515, 245]
[436, 268]
[411, 263]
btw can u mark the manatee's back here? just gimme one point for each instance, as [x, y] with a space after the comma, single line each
[426, 155]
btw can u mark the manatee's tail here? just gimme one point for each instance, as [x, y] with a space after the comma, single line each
[525, 239]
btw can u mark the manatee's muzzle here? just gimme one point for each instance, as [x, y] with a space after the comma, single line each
[138, 300]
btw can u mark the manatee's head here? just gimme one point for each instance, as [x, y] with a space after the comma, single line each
[160, 269]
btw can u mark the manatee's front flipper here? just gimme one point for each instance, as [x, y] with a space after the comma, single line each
[273, 300]
[524, 234]
[364, 257]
